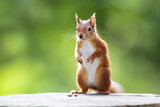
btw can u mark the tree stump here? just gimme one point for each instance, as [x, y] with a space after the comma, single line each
[62, 99]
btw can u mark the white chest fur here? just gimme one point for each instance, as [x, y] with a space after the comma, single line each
[87, 50]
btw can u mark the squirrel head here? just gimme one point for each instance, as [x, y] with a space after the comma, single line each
[86, 29]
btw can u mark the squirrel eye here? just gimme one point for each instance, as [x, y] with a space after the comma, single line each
[89, 28]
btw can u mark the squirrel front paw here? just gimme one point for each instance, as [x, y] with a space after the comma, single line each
[91, 58]
[79, 59]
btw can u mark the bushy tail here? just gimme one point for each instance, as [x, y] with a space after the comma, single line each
[115, 87]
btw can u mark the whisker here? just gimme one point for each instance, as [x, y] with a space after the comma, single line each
[71, 58]
[69, 37]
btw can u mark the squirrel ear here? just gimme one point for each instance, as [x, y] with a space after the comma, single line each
[93, 20]
[77, 19]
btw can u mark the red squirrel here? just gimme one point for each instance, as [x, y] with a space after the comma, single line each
[91, 53]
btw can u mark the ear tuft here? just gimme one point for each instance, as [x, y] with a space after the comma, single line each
[93, 19]
[77, 19]
[76, 16]
[94, 15]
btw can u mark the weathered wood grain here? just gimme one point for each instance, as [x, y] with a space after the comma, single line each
[62, 99]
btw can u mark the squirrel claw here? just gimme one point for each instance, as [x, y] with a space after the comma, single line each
[74, 92]
[77, 92]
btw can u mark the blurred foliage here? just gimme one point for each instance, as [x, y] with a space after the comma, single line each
[37, 44]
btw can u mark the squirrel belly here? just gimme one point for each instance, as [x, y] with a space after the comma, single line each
[90, 67]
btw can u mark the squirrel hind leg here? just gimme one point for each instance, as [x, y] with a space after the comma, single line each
[82, 80]
[100, 91]
[104, 92]
[116, 87]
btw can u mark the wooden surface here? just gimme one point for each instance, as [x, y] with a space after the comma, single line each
[62, 99]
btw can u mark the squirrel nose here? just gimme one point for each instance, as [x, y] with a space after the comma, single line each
[80, 36]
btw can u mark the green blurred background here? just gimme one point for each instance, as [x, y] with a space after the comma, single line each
[37, 44]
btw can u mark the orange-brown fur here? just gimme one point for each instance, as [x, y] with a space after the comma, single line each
[82, 80]
[102, 75]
